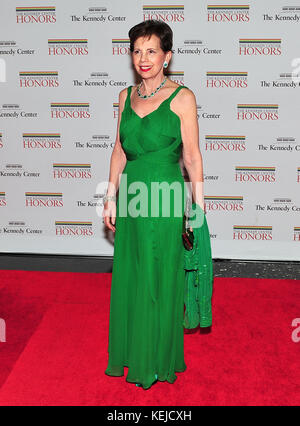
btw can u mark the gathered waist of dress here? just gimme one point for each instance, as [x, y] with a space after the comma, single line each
[153, 158]
[150, 171]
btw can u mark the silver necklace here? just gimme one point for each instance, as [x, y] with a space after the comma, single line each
[153, 93]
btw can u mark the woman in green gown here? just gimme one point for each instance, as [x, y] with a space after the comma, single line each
[157, 123]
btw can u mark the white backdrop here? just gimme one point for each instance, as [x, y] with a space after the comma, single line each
[63, 64]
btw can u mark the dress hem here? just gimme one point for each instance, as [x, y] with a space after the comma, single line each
[147, 387]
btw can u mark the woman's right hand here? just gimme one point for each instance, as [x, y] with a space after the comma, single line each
[109, 214]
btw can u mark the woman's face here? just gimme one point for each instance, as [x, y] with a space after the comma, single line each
[148, 57]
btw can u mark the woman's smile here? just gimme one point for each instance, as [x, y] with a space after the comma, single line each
[145, 68]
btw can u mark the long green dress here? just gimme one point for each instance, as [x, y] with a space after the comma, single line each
[147, 288]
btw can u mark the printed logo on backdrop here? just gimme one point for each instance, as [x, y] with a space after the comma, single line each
[15, 111]
[3, 202]
[44, 199]
[228, 13]
[207, 115]
[20, 228]
[41, 141]
[96, 142]
[261, 112]
[282, 144]
[211, 177]
[224, 203]
[298, 175]
[100, 79]
[1, 140]
[165, 13]
[38, 79]
[177, 76]
[95, 202]
[226, 79]
[120, 46]
[250, 233]
[68, 47]
[255, 174]
[296, 233]
[98, 14]
[10, 47]
[73, 228]
[225, 143]
[115, 110]
[36, 15]
[285, 80]
[288, 14]
[195, 47]
[282, 205]
[16, 170]
[72, 171]
[260, 46]
[70, 110]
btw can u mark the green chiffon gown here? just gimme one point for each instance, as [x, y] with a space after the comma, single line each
[147, 288]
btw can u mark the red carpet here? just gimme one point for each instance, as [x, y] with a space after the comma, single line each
[57, 336]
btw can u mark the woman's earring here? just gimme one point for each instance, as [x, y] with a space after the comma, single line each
[165, 64]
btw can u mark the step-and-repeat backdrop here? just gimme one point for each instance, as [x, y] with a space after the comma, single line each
[62, 66]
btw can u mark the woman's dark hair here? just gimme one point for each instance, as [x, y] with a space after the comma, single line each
[150, 27]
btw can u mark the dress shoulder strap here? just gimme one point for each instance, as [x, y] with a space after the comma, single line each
[129, 88]
[175, 92]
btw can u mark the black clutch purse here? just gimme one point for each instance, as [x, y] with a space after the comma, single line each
[187, 236]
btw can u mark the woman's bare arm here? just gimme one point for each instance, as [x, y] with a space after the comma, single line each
[117, 164]
[118, 157]
[186, 108]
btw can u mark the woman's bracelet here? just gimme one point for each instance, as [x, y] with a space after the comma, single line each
[109, 198]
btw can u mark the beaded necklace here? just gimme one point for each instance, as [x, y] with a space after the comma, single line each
[153, 93]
